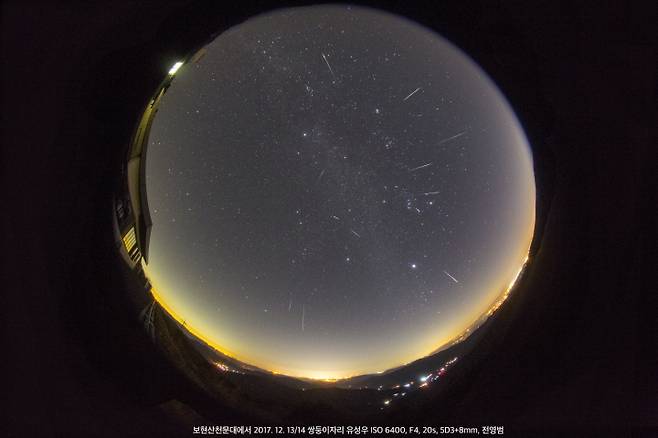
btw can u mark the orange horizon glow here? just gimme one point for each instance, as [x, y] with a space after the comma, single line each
[334, 376]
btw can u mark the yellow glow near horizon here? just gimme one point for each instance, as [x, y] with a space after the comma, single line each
[190, 328]
[435, 341]
[334, 376]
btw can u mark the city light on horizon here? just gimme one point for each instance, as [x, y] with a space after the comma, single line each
[174, 68]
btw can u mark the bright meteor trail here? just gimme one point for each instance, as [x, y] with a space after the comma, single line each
[411, 94]
[330, 69]
[452, 138]
[420, 167]
[451, 277]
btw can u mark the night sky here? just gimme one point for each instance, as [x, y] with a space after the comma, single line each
[335, 191]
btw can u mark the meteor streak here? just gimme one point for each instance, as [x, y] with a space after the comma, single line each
[420, 167]
[445, 140]
[453, 278]
[327, 62]
[412, 93]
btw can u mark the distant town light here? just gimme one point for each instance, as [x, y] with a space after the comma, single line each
[175, 67]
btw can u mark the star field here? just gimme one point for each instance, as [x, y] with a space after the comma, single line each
[335, 190]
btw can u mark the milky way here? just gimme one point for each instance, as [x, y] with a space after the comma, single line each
[335, 191]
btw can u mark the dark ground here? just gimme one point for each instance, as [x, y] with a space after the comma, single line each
[570, 356]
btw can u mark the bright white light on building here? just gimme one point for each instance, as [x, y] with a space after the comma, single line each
[175, 67]
[422, 379]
